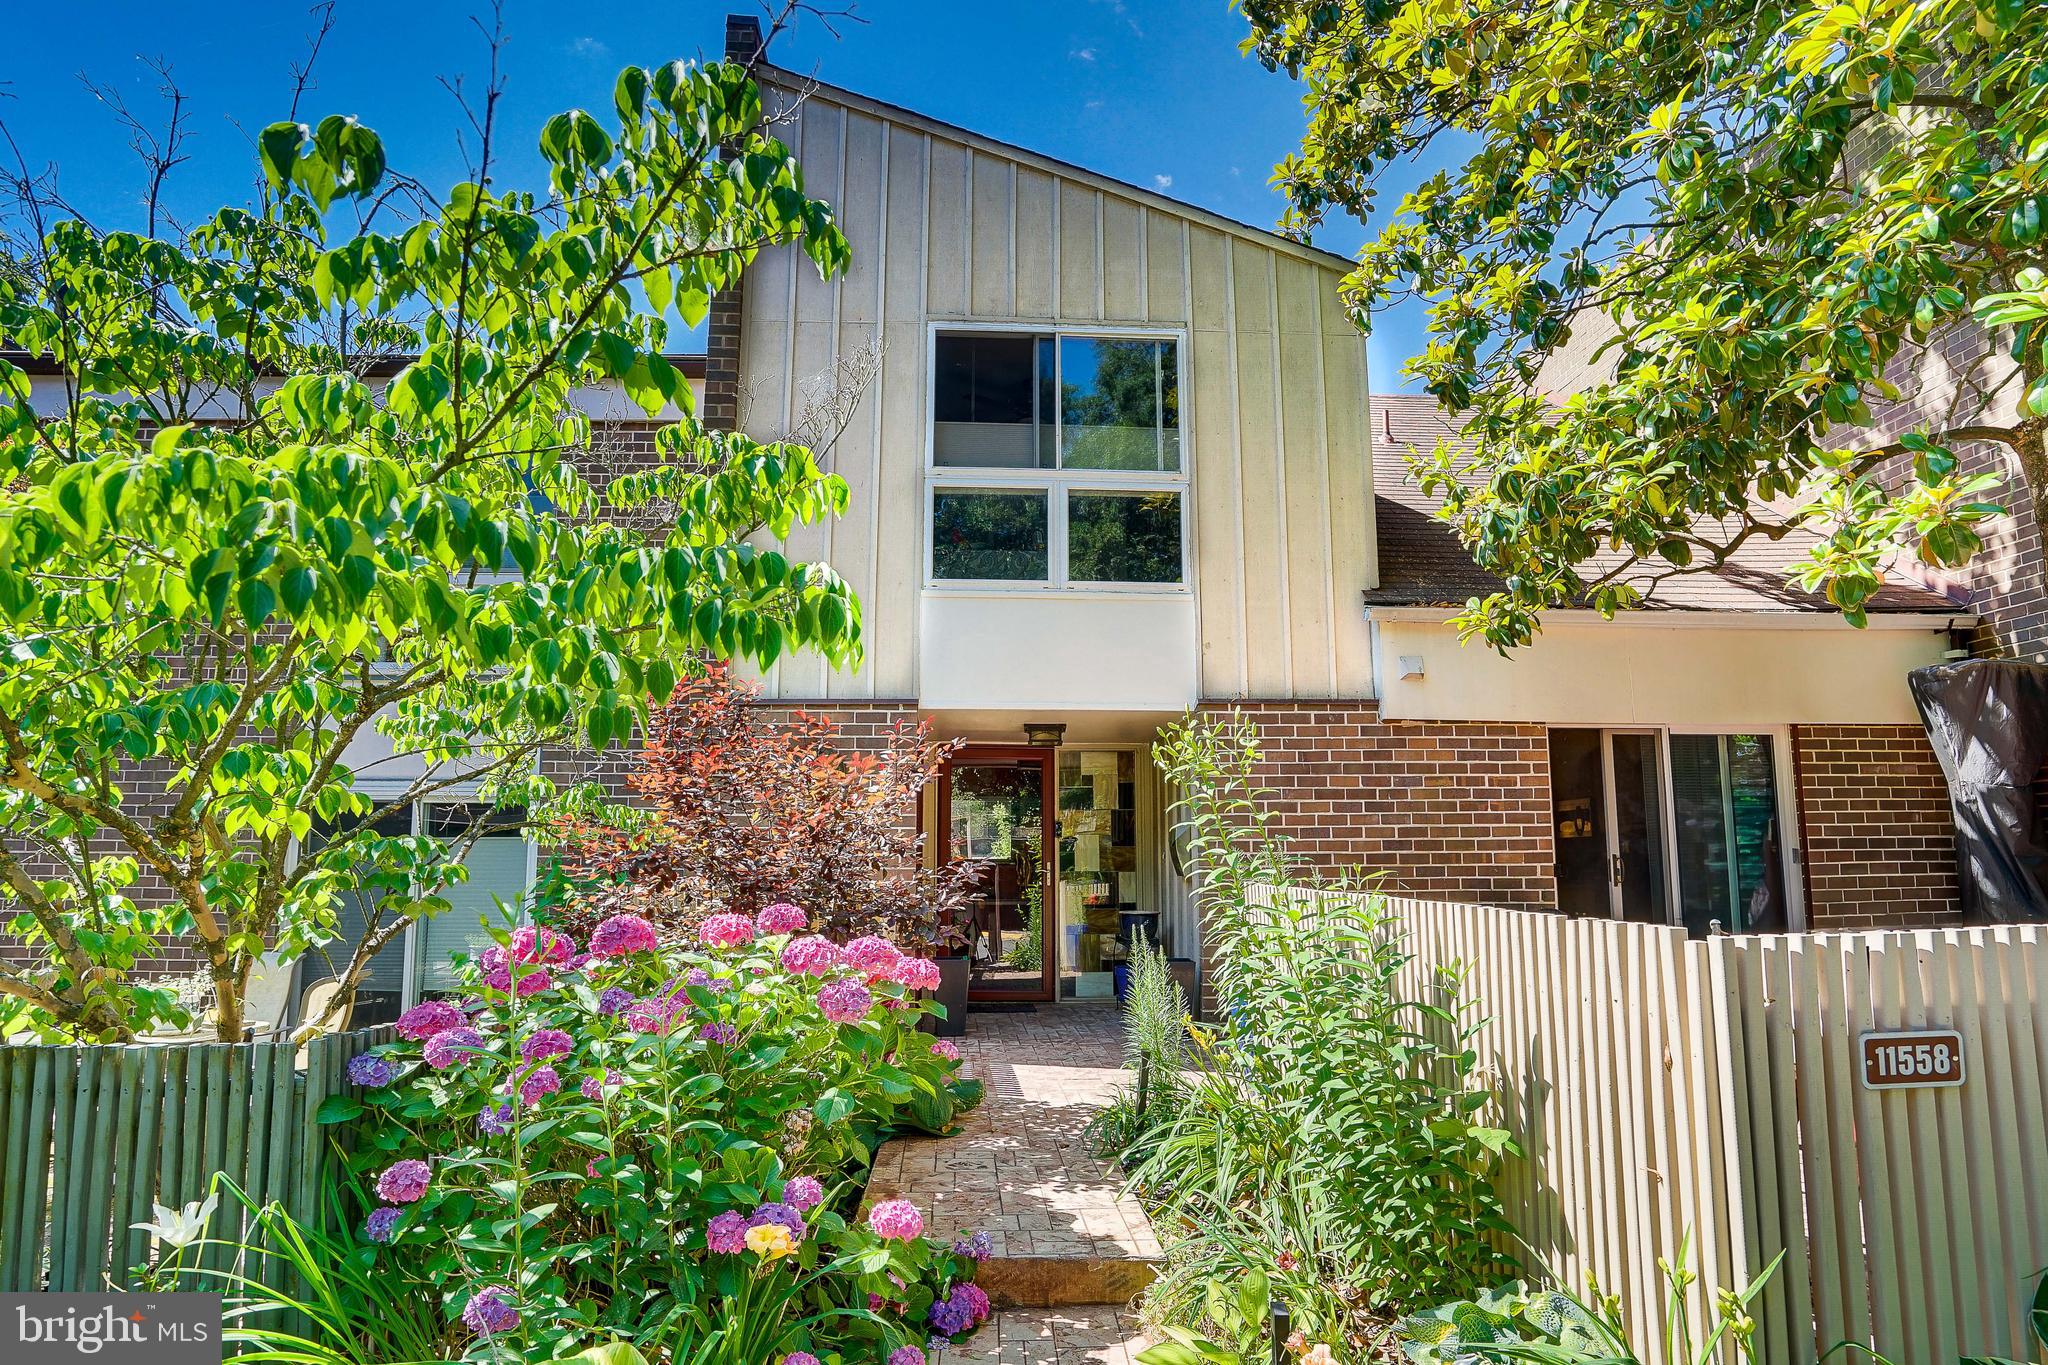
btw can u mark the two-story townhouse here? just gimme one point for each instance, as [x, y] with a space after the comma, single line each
[1117, 458]
[1120, 460]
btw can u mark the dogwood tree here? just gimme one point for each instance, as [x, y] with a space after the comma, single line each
[310, 470]
[1783, 212]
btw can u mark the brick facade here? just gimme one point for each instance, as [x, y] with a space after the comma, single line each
[721, 410]
[1452, 810]
[1875, 824]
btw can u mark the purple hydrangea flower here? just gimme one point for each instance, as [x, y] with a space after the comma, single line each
[613, 999]
[799, 1358]
[428, 1018]
[844, 1002]
[496, 1120]
[803, 1192]
[723, 1034]
[403, 1182]
[785, 1216]
[906, 1355]
[370, 1072]
[621, 935]
[490, 1312]
[705, 981]
[979, 1247]
[781, 918]
[950, 1317]
[453, 1047]
[382, 1224]
[593, 1088]
[727, 1234]
[545, 1043]
[539, 1083]
[532, 980]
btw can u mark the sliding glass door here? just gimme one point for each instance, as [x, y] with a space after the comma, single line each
[1672, 828]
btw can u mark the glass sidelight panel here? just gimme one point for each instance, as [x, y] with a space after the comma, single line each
[996, 816]
[1098, 873]
[1579, 823]
[1638, 859]
[1730, 854]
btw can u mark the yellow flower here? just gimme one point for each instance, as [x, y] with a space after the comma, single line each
[770, 1241]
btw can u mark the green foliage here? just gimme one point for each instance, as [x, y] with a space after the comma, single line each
[1556, 1327]
[1325, 1136]
[580, 1150]
[1776, 207]
[318, 472]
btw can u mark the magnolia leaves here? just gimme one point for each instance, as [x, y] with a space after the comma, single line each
[339, 158]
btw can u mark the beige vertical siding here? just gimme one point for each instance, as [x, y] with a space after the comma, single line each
[945, 227]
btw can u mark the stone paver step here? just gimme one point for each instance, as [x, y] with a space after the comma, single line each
[1100, 1335]
[1063, 1231]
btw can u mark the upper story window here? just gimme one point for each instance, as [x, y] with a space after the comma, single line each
[1056, 460]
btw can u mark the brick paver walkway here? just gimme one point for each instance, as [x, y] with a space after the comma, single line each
[1071, 1250]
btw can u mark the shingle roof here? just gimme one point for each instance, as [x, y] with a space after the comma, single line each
[1422, 562]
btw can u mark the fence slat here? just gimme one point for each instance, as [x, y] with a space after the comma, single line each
[142, 1169]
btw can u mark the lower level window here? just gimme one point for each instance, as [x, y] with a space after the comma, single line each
[1670, 828]
[419, 962]
[1123, 537]
[990, 533]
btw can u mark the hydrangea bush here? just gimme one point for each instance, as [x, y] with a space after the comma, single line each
[664, 1146]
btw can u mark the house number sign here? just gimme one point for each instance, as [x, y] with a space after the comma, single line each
[1916, 1059]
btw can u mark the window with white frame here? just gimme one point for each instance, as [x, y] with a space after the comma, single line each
[419, 962]
[1056, 460]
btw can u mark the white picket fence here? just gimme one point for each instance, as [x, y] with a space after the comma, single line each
[1663, 1087]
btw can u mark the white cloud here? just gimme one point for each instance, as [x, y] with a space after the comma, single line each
[1162, 183]
[1092, 104]
[590, 47]
[1123, 12]
[1083, 54]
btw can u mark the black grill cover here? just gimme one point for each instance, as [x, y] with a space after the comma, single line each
[1988, 722]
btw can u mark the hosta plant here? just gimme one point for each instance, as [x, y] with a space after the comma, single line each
[628, 1142]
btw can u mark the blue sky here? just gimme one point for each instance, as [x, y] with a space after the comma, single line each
[1150, 91]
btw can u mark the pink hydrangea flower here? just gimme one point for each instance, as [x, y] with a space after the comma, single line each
[915, 973]
[593, 1088]
[727, 1234]
[781, 918]
[428, 1018]
[871, 954]
[532, 980]
[545, 1043]
[896, 1220]
[539, 1083]
[945, 1047]
[621, 935]
[452, 1047]
[533, 943]
[726, 931]
[810, 956]
[844, 1002]
[654, 1015]
[403, 1182]
[803, 1192]
[799, 1358]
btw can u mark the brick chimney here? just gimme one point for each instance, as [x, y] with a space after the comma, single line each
[721, 410]
[742, 37]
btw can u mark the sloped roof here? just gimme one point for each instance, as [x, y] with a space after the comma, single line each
[1422, 562]
[796, 82]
